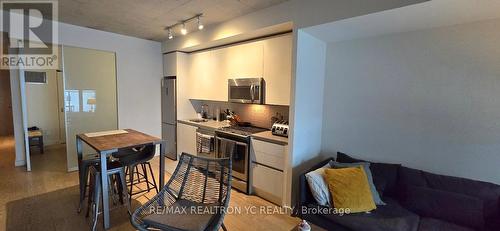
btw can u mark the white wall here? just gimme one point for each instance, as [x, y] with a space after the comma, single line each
[307, 103]
[17, 118]
[43, 107]
[428, 99]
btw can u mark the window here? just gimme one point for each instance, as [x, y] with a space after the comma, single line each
[89, 101]
[72, 100]
[35, 77]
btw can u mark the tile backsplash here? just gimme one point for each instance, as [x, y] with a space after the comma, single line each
[257, 114]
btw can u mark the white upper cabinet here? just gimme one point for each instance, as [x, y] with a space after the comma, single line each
[170, 64]
[271, 59]
[201, 75]
[278, 69]
[219, 90]
[244, 61]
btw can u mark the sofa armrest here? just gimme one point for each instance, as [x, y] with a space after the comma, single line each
[305, 195]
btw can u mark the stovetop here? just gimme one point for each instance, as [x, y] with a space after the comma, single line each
[241, 130]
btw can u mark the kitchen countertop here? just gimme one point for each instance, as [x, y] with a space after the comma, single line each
[269, 137]
[210, 124]
[213, 125]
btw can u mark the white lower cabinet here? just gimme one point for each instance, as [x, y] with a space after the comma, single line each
[268, 171]
[186, 139]
[267, 183]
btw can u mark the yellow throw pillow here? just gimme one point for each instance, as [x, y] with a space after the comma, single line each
[350, 189]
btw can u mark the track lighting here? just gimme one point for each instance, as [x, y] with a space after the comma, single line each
[170, 29]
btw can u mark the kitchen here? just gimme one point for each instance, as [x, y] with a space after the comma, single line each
[237, 94]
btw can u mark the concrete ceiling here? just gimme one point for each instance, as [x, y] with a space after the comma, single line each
[431, 14]
[148, 18]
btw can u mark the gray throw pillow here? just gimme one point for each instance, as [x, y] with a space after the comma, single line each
[318, 186]
[366, 167]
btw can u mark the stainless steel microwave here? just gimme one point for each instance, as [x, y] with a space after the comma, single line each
[247, 90]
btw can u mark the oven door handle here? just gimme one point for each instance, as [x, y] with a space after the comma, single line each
[236, 142]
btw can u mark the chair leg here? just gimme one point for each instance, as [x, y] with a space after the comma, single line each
[91, 195]
[126, 171]
[123, 190]
[146, 176]
[152, 176]
[224, 227]
[137, 174]
[121, 186]
[83, 177]
[112, 188]
[131, 177]
[97, 201]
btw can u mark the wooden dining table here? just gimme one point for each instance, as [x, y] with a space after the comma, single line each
[108, 142]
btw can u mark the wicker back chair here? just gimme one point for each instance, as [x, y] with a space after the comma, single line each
[195, 198]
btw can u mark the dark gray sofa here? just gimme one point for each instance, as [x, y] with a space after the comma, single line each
[416, 201]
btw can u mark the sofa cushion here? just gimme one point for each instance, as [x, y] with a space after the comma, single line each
[488, 192]
[391, 217]
[432, 224]
[318, 186]
[366, 167]
[349, 188]
[452, 207]
[410, 176]
[385, 175]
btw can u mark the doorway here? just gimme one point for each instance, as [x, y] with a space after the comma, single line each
[7, 126]
[6, 121]
[44, 121]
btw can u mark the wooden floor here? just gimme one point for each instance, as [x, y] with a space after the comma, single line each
[47, 198]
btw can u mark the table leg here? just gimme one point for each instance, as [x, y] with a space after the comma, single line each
[104, 187]
[162, 163]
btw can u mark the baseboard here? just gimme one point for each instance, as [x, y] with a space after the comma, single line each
[73, 169]
[19, 163]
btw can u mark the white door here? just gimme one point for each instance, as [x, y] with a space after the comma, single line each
[89, 96]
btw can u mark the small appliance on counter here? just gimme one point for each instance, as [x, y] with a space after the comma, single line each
[280, 128]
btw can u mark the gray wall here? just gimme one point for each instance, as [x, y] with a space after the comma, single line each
[427, 99]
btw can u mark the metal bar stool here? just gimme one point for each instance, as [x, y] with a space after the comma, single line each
[137, 159]
[116, 175]
[83, 174]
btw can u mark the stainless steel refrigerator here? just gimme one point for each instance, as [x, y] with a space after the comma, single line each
[169, 116]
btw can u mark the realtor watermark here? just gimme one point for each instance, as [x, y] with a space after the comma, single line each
[249, 210]
[32, 35]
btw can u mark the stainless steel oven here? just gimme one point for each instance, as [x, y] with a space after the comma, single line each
[240, 159]
[247, 90]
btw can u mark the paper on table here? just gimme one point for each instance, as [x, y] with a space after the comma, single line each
[106, 133]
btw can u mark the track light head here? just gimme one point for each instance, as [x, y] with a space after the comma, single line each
[184, 30]
[170, 35]
[200, 25]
